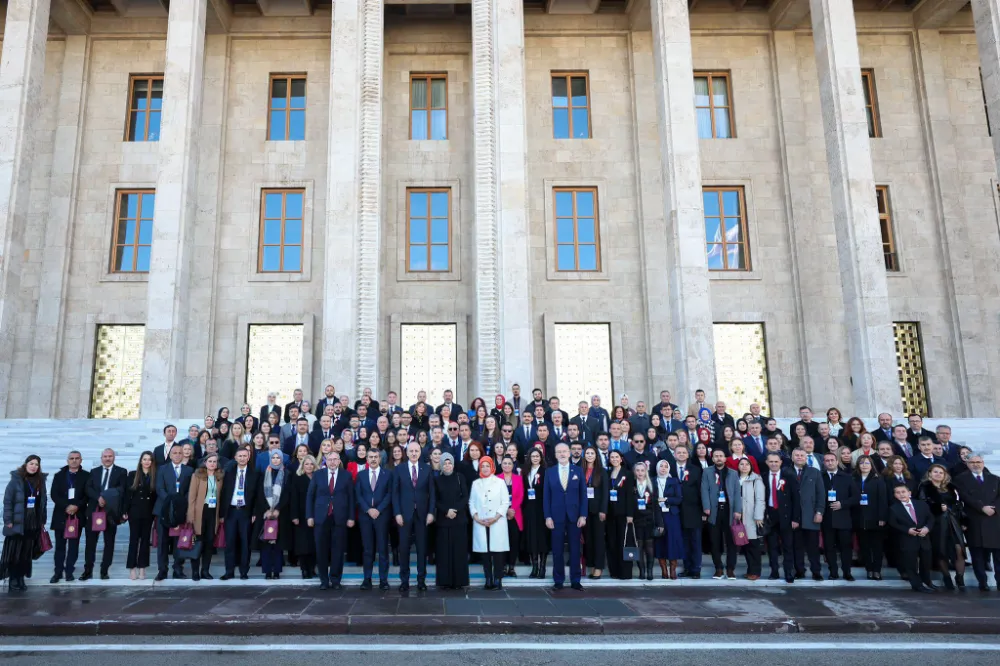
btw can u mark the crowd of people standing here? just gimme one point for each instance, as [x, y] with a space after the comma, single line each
[616, 492]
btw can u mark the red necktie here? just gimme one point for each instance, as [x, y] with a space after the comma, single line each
[774, 492]
[909, 510]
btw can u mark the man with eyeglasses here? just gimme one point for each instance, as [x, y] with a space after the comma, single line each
[451, 439]
[507, 438]
[639, 453]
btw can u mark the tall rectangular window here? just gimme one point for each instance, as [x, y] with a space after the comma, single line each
[280, 231]
[583, 362]
[726, 229]
[713, 105]
[428, 230]
[430, 360]
[910, 362]
[116, 385]
[885, 224]
[741, 366]
[571, 105]
[274, 362]
[145, 104]
[286, 113]
[577, 229]
[428, 107]
[871, 103]
[133, 235]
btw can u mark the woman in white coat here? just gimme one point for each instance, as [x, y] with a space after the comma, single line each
[489, 500]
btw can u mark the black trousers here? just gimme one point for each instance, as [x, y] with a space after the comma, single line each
[237, 526]
[66, 552]
[916, 562]
[870, 543]
[514, 539]
[375, 539]
[204, 563]
[493, 562]
[806, 543]
[721, 535]
[139, 532]
[780, 543]
[331, 543]
[414, 530]
[109, 547]
[594, 541]
[837, 543]
[614, 532]
[751, 552]
[980, 558]
[163, 544]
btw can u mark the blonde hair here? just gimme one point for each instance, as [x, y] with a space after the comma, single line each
[302, 465]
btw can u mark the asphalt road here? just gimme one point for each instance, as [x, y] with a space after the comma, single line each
[816, 650]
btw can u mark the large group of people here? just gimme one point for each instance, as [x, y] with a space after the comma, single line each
[616, 492]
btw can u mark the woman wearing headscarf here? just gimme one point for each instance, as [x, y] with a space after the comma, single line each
[452, 555]
[273, 499]
[203, 512]
[223, 417]
[25, 510]
[304, 542]
[488, 504]
[669, 546]
[497, 412]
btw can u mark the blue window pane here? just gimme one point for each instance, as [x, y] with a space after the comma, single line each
[293, 205]
[147, 206]
[272, 232]
[734, 230]
[439, 257]
[142, 260]
[293, 232]
[153, 130]
[731, 202]
[581, 128]
[439, 204]
[439, 124]
[136, 126]
[585, 204]
[277, 126]
[418, 125]
[588, 258]
[132, 205]
[418, 230]
[298, 94]
[564, 230]
[711, 201]
[146, 232]
[559, 93]
[566, 258]
[712, 234]
[560, 123]
[297, 126]
[293, 258]
[125, 259]
[564, 204]
[129, 232]
[715, 258]
[418, 258]
[271, 259]
[272, 205]
[156, 100]
[704, 123]
[585, 230]
[418, 204]
[439, 230]
[722, 124]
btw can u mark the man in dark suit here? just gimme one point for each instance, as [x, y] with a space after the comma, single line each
[173, 481]
[455, 408]
[68, 499]
[841, 497]
[783, 513]
[949, 451]
[565, 509]
[754, 442]
[300, 436]
[883, 433]
[912, 521]
[322, 430]
[980, 490]
[581, 422]
[805, 419]
[924, 458]
[330, 511]
[812, 506]
[105, 492]
[464, 441]
[373, 492]
[162, 452]
[598, 418]
[266, 410]
[329, 398]
[543, 434]
[525, 434]
[239, 490]
[391, 406]
[664, 402]
[917, 430]
[296, 402]
[413, 504]
[689, 474]
[720, 419]
[638, 452]
[900, 444]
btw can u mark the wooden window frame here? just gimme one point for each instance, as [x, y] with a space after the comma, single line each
[889, 251]
[428, 77]
[135, 245]
[288, 78]
[576, 243]
[718, 74]
[744, 228]
[428, 217]
[569, 76]
[132, 79]
[871, 102]
[261, 245]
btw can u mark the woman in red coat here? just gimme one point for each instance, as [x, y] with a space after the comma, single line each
[515, 519]
[737, 453]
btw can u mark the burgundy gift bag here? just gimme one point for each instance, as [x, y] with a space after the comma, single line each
[220, 538]
[175, 531]
[46, 541]
[98, 521]
[740, 537]
[270, 532]
[186, 538]
[72, 528]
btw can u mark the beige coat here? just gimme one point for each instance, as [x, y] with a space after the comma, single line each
[196, 498]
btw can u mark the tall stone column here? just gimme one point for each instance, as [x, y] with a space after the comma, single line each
[503, 301]
[44, 385]
[21, 71]
[867, 315]
[353, 198]
[680, 166]
[986, 14]
[176, 193]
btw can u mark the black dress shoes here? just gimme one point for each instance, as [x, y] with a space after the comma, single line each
[87, 575]
[383, 585]
[225, 576]
[366, 584]
[577, 586]
[421, 586]
[160, 575]
[324, 585]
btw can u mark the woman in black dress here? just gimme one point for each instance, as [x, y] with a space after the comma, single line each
[140, 496]
[303, 541]
[648, 519]
[452, 553]
[536, 535]
[947, 541]
[594, 537]
[620, 513]
[869, 516]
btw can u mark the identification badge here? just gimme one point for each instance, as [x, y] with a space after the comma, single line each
[664, 507]
[177, 486]
[71, 494]
[613, 495]
[531, 493]
[642, 504]
[239, 493]
[590, 493]
[722, 496]
[212, 502]
[31, 501]
[864, 499]
[831, 496]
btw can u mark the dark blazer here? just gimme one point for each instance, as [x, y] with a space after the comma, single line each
[632, 457]
[599, 482]
[899, 520]
[60, 497]
[229, 487]
[890, 486]
[565, 505]
[914, 437]
[286, 417]
[166, 486]
[161, 455]
[691, 513]
[265, 411]
[524, 443]
[812, 496]
[585, 427]
[754, 451]
[139, 502]
[868, 517]
[407, 500]
[319, 499]
[881, 435]
[114, 495]
[919, 465]
[625, 485]
[984, 531]
[321, 405]
[380, 498]
[721, 422]
[789, 506]
[844, 486]
[456, 409]
[812, 429]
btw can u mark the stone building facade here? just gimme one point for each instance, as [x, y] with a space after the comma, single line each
[828, 265]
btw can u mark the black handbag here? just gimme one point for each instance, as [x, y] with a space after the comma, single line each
[630, 553]
[192, 553]
[765, 527]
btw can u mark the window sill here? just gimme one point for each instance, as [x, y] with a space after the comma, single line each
[578, 276]
[125, 277]
[278, 277]
[735, 275]
[442, 276]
